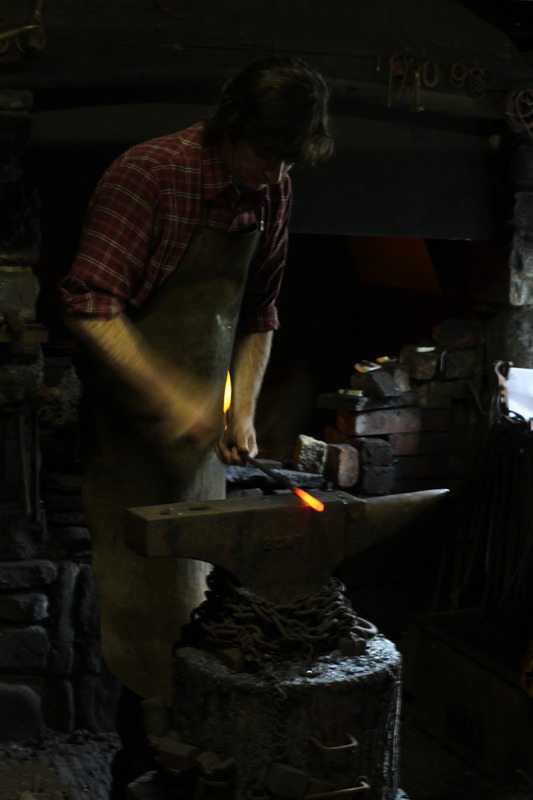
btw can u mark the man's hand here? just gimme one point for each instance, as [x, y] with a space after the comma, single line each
[239, 437]
[250, 359]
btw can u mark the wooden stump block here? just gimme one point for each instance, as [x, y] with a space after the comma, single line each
[317, 725]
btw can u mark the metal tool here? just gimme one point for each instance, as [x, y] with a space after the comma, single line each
[311, 501]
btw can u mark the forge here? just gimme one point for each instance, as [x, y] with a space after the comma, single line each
[280, 688]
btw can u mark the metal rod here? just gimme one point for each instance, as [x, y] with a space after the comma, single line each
[312, 502]
[17, 31]
[270, 472]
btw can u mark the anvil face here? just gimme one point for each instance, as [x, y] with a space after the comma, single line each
[274, 545]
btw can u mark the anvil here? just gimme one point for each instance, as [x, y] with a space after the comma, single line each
[274, 545]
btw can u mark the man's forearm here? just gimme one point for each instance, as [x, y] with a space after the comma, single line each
[250, 360]
[115, 344]
[183, 405]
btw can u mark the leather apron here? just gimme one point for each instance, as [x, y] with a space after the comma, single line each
[191, 320]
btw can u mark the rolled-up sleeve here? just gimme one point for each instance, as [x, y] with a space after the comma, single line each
[116, 239]
[259, 312]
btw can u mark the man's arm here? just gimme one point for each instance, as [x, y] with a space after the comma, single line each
[249, 363]
[180, 405]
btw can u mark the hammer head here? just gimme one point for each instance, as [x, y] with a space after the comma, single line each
[273, 545]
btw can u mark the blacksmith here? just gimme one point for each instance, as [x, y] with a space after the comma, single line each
[174, 284]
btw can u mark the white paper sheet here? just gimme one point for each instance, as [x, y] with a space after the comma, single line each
[520, 391]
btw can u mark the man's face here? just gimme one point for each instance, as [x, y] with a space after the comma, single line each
[250, 169]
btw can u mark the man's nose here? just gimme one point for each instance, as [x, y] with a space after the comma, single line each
[275, 172]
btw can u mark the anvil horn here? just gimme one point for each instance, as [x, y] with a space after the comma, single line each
[385, 516]
[273, 545]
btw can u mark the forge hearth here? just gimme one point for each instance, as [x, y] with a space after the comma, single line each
[280, 689]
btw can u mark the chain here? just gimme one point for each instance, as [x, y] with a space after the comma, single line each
[266, 632]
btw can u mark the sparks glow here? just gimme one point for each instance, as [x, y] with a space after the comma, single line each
[308, 499]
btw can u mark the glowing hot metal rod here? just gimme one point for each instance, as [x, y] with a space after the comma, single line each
[308, 499]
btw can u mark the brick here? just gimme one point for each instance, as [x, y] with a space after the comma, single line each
[372, 451]
[177, 755]
[87, 622]
[376, 384]
[422, 466]
[19, 289]
[435, 419]
[209, 762]
[21, 717]
[24, 649]
[421, 365]
[409, 444]
[459, 389]
[310, 455]
[15, 140]
[349, 402]
[333, 435]
[63, 503]
[26, 574]
[459, 333]
[434, 394]
[400, 374]
[74, 538]
[19, 221]
[342, 465]
[376, 481]
[20, 538]
[460, 363]
[23, 607]
[16, 100]
[460, 414]
[76, 518]
[374, 423]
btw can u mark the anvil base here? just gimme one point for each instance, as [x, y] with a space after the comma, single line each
[333, 719]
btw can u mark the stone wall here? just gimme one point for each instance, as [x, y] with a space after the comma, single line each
[51, 671]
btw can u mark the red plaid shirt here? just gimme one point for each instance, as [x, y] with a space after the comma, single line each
[143, 214]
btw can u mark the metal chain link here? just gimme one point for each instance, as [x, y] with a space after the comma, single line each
[234, 617]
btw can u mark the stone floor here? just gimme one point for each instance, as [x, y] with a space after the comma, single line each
[79, 764]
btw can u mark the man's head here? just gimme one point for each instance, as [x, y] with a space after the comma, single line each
[278, 106]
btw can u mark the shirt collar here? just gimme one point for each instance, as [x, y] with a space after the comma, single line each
[218, 181]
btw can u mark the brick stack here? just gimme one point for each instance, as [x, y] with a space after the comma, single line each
[412, 419]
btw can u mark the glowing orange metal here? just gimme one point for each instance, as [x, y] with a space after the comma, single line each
[308, 498]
